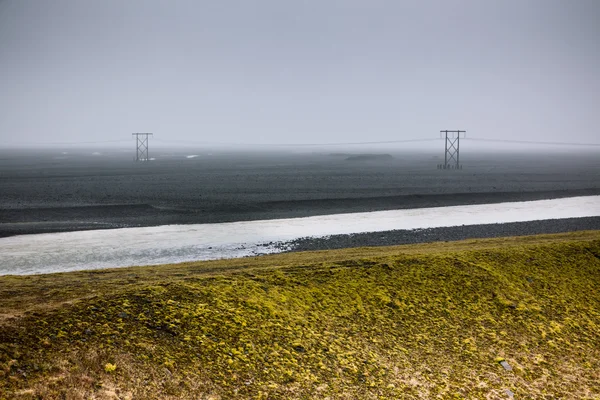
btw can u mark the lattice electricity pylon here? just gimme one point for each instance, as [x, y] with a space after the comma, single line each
[141, 153]
[452, 152]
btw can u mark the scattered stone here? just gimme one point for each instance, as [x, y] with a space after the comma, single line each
[299, 349]
[506, 365]
[509, 393]
[396, 237]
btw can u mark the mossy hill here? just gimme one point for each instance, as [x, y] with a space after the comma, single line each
[414, 322]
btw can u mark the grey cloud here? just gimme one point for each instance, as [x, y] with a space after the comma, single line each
[298, 71]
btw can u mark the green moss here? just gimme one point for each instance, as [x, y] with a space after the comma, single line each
[108, 367]
[403, 326]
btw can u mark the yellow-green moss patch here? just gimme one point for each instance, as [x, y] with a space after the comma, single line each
[430, 325]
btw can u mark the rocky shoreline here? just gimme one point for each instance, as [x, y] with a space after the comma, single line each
[447, 234]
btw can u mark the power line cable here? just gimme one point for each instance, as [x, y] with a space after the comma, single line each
[298, 144]
[530, 142]
[67, 143]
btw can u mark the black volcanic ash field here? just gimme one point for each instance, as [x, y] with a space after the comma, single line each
[46, 190]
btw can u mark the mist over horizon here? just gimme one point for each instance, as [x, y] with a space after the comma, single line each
[267, 73]
[468, 149]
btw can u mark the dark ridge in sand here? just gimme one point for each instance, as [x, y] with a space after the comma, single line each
[370, 157]
[397, 237]
[64, 219]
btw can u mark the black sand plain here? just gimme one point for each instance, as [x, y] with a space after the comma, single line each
[53, 190]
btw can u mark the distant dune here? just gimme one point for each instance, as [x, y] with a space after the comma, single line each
[369, 157]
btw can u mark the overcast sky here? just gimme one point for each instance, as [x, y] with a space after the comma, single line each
[302, 71]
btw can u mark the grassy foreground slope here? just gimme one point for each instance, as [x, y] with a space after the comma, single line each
[420, 321]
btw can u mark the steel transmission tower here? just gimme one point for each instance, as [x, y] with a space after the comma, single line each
[452, 152]
[141, 153]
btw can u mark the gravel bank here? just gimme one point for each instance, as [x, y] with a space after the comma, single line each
[396, 237]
